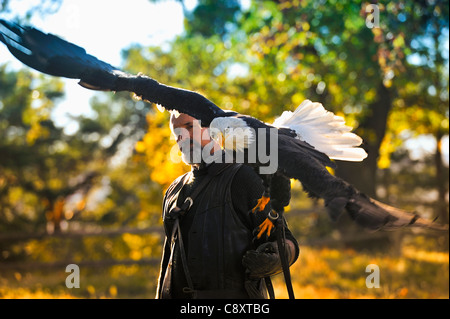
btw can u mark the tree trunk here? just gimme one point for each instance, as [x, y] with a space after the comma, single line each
[363, 175]
[442, 186]
[373, 127]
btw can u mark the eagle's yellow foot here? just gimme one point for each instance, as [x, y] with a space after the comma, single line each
[262, 202]
[266, 226]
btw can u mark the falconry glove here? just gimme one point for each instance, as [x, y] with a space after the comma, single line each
[265, 260]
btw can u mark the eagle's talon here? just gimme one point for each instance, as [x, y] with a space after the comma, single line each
[266, 226]
[262, 202]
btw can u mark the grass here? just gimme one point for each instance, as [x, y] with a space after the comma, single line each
[320, 273]
[134, 281]
[335, 274]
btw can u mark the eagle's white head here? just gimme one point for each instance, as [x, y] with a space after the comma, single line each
[232, 133]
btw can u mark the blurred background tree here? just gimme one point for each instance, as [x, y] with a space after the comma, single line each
[389, 82]
[277, 53]
[52, 181]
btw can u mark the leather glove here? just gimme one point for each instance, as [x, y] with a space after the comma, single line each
[265, 260]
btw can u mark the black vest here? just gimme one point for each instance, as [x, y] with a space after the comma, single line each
[218, 238]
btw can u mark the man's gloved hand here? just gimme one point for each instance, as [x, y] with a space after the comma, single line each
[265, 260]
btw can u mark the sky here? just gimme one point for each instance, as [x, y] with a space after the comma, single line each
[105, 27]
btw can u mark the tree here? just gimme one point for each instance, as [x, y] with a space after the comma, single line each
[286, 51]
[51, 180]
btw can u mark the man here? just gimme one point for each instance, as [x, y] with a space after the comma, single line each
[214, 253]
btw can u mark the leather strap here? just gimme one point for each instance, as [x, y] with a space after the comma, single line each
[281, 241]
[269, 287]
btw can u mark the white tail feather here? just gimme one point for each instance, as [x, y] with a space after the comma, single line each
[324, 130]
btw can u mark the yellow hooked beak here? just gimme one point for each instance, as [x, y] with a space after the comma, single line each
[225, 141]
[220, 140]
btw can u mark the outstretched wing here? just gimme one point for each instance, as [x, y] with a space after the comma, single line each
[374, 215]
[52, 55]
[340, 196]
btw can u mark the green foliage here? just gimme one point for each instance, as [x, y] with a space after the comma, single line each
[49, 179]
[212, 17]
[390, 83]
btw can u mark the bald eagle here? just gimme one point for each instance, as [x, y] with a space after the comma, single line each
[306, 140]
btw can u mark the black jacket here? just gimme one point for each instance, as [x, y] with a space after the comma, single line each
[216, 232]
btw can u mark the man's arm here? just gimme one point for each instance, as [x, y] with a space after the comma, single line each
[246, 189]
